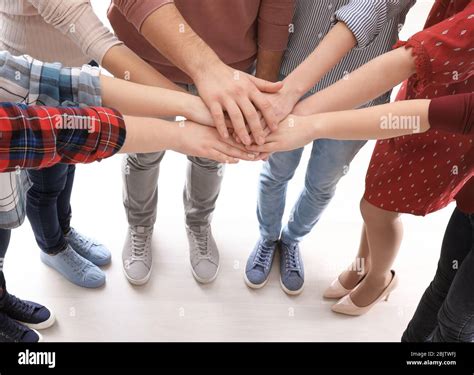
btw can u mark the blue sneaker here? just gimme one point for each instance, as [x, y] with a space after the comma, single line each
[291, 269]
[75, 268]
[88, 248]
[31, 314]
[259, 263]
[12, 331]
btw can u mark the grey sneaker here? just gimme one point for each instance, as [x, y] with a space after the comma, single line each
[203, 253]
[291, 268]
[259, 263]
[137, 255]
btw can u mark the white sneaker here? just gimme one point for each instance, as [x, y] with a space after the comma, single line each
[137, 256]
[203, 252]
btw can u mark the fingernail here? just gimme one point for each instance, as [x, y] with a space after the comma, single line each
[261, 140]
[236, 160]
[226, 134]
[251, 156]
[247, 141]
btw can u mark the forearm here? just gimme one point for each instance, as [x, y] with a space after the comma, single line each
[337, 43]
[123, 63]
[138, 100]
[365, 84]
[378, 122]
[145, 135]
[169, 33]
[269, 64]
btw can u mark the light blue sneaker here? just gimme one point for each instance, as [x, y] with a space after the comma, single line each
[291, 268]
[88, 248]
[259, 263]
[75, 268]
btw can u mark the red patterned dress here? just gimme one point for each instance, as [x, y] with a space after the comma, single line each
[422, 173]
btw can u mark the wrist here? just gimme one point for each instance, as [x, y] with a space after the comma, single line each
[293, 90]
[316, 126]
[174, 138]
[205, 67]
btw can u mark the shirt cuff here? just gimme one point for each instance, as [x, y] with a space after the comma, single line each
[272, 37]
[364, 19]
[423, 76]
[136, 12]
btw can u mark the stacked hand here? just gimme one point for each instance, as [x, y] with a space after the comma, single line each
[251, 118]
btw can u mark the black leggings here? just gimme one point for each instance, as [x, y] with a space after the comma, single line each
[446, 310]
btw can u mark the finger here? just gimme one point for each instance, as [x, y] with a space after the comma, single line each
[266, 132]
[219, 119]
[220, 157]
[253, 120]
[269, 113]
[237, 121]
[266, 86]
[266, 148]
[235, 152]
[263, 156]
[235, 144]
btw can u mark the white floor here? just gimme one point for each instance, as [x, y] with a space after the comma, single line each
[173, 307]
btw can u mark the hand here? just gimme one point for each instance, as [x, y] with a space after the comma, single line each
[203, 141]
[240, 95]
[283, 102]
[294, 132]
[198, 112]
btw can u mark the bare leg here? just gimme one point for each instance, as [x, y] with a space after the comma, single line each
[359, 267]
[384, 231]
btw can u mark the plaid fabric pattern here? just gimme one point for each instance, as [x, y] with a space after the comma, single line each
[29, 81]
[40, 137]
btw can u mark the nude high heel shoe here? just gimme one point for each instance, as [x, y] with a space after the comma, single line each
[347, 307]
[337, 291]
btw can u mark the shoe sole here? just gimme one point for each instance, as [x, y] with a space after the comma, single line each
[252, 285]
[205, 281]
[40, 337]
[291, 292]
[72, 282]
[135, 281]
[43, 325]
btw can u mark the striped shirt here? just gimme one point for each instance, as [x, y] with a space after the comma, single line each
[29, 81]
[374, 23]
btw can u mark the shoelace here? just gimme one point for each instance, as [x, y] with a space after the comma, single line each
[20, 306]
[139, 245]
[292, 261]
[12, 330]
[201, 241]
[263, 256]
[87, 242]
[76, 263]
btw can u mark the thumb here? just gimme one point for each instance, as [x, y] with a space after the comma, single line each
[267, 86]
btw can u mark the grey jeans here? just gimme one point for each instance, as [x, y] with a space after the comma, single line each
[140, 180]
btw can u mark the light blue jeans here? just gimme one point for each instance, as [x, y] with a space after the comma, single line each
[328, 163]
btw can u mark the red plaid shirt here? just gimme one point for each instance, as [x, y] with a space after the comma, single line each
[40, 137]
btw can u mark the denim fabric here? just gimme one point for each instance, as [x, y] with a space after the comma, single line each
[48, 206]
[446, 310]
[329, 162]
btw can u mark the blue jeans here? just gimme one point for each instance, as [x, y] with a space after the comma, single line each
[4, 242]
[328, 163]
[48, 206]
[446, 310]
